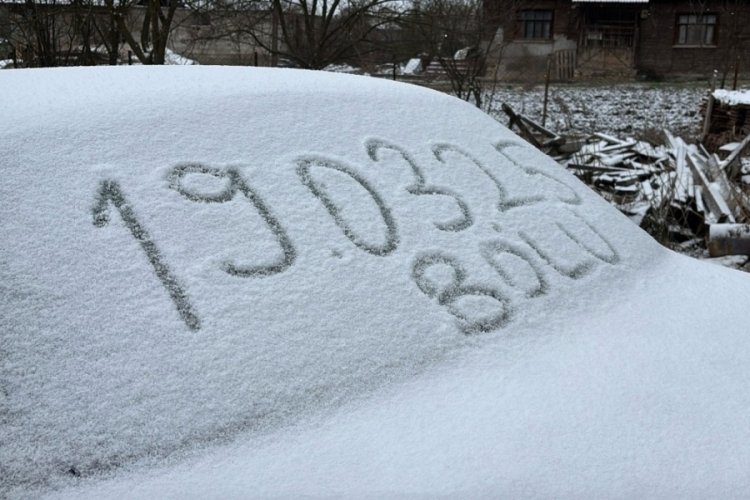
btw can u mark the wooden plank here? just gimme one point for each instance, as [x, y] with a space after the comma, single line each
[684, 179]
[725, 186]
[648, 192]
[609, 139]
[632, 190]
[515, 119]
[594, 168]
[724, 213]
[709, 107]
[731, 164]
[707, 118]
[612, 160]
[728, 239]
[714, 207]
[624, 144]
[701, 208]
[593, 147]
[671, 140]
[647, 150]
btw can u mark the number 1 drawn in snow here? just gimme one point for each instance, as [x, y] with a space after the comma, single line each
[110, 192]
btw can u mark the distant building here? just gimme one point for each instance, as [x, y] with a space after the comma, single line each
[85, 32]
[617, 38]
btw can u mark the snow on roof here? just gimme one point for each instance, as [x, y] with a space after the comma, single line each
[337, 285]
[733, 97]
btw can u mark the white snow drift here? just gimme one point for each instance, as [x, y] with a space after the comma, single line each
[243, 282]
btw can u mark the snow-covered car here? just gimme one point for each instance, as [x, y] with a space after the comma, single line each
[233, 282]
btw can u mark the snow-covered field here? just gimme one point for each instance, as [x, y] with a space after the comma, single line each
[620, 110]
[242, 282]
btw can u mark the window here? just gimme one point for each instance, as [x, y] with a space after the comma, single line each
[694, 29]
[535, 24]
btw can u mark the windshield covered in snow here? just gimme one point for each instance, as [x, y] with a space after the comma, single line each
[190, 253]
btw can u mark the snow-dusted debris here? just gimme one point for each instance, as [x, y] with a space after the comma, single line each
[172, 57]
[727, 117]
[355, 286]
[413, 66]
[675, 191]
[341, 68]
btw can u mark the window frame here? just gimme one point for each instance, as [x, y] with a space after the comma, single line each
[696, 30]
[529, 22]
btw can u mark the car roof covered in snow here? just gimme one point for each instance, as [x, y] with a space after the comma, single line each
[233, 281]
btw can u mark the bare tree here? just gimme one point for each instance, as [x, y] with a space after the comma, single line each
[317, 33]
[153, 26]
[53, 32]
[307, 33]
[234, 25]
[451, 32]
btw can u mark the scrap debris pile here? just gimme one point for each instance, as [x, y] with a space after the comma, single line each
[685, 196]
[727, 116]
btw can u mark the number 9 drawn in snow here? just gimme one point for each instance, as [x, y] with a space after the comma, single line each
[235, 183]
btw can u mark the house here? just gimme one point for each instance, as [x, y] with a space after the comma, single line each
[617, 38]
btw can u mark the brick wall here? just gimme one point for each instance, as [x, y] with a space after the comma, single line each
[659, 54]
[503, 14]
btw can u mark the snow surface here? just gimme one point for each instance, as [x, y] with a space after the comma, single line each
[640, 109]
[252, 282]
[733, 97]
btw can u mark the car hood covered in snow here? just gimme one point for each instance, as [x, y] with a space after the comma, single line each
[247, 282]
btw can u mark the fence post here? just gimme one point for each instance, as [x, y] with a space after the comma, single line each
[546, 89]
[709, 107]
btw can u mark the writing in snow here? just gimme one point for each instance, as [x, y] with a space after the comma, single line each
[440, 276]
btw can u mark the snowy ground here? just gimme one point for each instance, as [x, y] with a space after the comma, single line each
[254, 282]
[621, 110]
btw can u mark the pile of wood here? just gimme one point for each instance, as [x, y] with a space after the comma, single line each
[536, 134]
[680, 193]
[727, 118]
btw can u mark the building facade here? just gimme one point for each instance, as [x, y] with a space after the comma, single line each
[580, 39]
